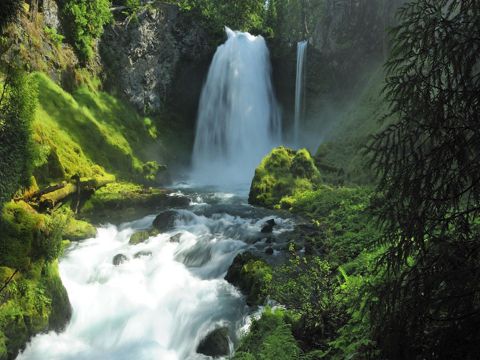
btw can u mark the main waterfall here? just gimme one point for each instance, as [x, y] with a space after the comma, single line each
[238, 120]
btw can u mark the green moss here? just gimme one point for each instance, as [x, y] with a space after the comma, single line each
[283, 173]
[139, 237]
[252, 275]
[121, 201]
[78, 230]
[90, 133]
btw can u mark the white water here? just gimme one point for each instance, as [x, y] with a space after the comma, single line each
[156, 307]
[299, 90]
[238, 121]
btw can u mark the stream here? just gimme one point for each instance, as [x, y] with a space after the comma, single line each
[169, 294]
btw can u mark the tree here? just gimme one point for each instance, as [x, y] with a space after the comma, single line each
[428, 163]
[17, 107]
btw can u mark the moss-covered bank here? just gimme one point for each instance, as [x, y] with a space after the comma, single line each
[330, 263]
[32, 296]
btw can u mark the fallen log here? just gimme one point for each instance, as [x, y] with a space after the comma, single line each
[49, 197]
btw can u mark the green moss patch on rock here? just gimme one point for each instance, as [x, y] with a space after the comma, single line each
[139, 237]
[76, 230]
[283, 173]
[119, 202]
[252, 276]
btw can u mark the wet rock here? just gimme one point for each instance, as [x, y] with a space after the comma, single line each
[215, 344]
[268, 226]
[270, 240]
[196, 256]
[269, 251]
[144, 58]
[142, 253]
[165, 221]
[139, 237]
[251, 275]
[176, 238]
[119, 259]
[178, 201]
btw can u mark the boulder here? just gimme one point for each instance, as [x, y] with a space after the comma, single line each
[215, 344]
[119, 259]
[176, 238]
[142, 253]
[267, 227]
[252, 276]
[139, 237]
[165, 221]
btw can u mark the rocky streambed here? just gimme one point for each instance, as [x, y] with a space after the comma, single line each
[170, 285]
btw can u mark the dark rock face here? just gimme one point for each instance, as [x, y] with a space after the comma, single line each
[119, 259]
[269, 251]
[268, 226]
[345, 42]
[165, 221]
[144, 58]
[215, 344]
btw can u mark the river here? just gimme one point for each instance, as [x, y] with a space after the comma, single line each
[169, 294]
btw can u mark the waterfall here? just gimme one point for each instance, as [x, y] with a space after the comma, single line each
[239, 120]
[299, 90]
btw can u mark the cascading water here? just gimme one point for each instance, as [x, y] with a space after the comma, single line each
[299, 90]
[238, 120]
[168, 295]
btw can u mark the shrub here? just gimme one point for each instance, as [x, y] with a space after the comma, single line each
[86, 19]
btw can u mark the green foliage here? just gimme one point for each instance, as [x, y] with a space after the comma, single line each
[33, 302]
[245, 15]
[28, 236]
[54, 36]
[86, 19]
[305, 285]
[293, 20]
[89, 132]
[429, 193]
[18, 98]
[270, 338]
[283, 173]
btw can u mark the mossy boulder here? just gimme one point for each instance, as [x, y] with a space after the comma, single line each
[139, 237]
[79, 230]
[252, 276]
[283, 173]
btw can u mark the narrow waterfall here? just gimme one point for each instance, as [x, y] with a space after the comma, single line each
[299, 90]
[239, 120]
